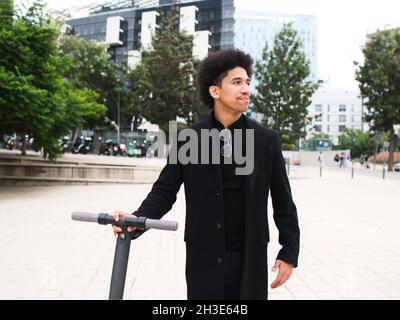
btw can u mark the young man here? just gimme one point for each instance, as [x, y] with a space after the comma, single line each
[226, 231]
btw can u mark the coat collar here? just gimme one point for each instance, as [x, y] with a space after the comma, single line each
[259, 147]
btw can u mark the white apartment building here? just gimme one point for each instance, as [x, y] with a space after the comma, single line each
[254, 29]
[333, 110]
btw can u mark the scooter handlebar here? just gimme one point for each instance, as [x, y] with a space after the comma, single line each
[84, 216]
[127, 220]
[161, 224]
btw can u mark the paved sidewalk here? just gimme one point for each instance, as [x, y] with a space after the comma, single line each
[350, 245]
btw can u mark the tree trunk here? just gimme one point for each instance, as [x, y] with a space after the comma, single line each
[23, 145]
[391, 150]
[136, 122]
[77, 133]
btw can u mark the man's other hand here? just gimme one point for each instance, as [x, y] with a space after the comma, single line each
[285, 271]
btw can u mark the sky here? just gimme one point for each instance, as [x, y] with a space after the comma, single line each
[342, 29]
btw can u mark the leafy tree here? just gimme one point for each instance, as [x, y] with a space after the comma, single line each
[163, 83]
[320, 135]
[6, 10]
[379, 79]
[35, 99]
[91, 67]
[357, 141]
[283, 91]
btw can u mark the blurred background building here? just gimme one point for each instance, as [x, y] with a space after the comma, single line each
[333, 110]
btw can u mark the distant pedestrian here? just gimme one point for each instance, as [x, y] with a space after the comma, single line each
[366, 163]
[321, 159]
[361, 160]
[343, 158]
[337, 158]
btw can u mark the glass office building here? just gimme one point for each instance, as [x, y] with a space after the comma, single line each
[124, 27]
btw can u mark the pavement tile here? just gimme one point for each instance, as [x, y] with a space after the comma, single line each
[350, 245]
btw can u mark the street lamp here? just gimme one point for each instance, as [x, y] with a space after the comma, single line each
[118, 116]
[118, 110]
[362, 113]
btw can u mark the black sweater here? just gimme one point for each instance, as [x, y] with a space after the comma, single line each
[233, 189]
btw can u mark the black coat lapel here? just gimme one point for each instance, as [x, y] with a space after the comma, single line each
[259, 148]
[215, 168]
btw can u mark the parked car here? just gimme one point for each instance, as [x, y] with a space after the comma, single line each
[396, 167]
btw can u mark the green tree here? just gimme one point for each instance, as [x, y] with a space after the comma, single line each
[283, 91]
[135, 99]
[320, 135]
[91, 67]
[6, 10]
[166, 88]
[35, 99]
[356, 141]
[379, 79]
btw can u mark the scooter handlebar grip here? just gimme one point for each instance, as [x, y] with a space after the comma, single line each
[84, 216]
[161, 225]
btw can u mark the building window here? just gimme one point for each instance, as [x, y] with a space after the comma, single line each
[318, 128]
[342, 118]
[342, 108]
[341, 128]
[318, 117]
[329, 107]
[352, 118]
[328, 128]
[318, 108]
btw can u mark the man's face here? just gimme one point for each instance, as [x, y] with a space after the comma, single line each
[234, 92]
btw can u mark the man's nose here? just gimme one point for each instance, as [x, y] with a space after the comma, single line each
[245, 88]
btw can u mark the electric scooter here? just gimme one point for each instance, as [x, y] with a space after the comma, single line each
[123, 242]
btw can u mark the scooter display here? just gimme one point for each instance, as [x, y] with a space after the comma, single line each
[133, 150]
[123, 242]
[106, 148]
[65, 143]
[82, 146]
[11, 143]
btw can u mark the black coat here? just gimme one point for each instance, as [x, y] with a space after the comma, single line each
[204, 237]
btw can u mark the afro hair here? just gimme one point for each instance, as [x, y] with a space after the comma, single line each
[216, 66]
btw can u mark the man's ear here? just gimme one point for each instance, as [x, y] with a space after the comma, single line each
[214, 92]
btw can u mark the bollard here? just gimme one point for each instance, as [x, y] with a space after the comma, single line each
[287, 162]
[383, 173]
[352, 170]
[320, 171]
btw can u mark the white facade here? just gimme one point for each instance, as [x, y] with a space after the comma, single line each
[114, 30]
[333, 110]
[187, 22]
[134, 57]
[201, 44]
[201, 39]
[254, 29]
[148, 28]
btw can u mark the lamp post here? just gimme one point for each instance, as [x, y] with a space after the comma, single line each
[118, 116]
[362, 113]
[118, 89]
